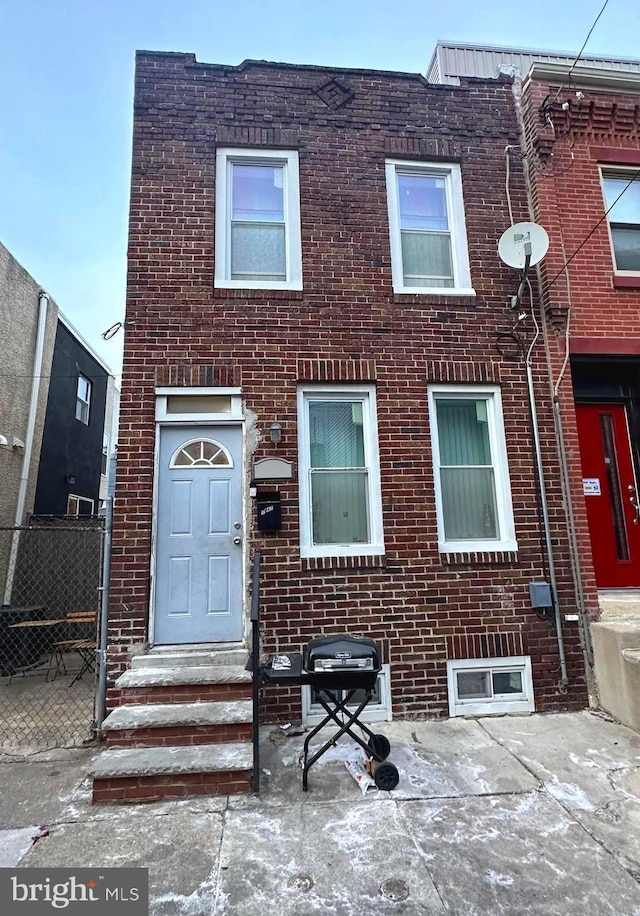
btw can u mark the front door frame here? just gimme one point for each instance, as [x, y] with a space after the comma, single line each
[235, 418]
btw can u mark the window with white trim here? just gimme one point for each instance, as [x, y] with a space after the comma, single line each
[340, 500]
[484, 686]
[471, 474]
[83, 399]
[257, 242]
[621, 188]
[427, 228]
[79, 505]
[378, 710]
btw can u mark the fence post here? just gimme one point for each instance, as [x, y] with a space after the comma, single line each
[101, 699]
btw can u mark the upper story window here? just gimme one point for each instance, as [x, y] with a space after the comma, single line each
[473, 494]
[83, 399]
[622, 194]
[257, 220]
[340, 502]
[427, 228]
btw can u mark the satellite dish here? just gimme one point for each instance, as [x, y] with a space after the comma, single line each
[514, 241]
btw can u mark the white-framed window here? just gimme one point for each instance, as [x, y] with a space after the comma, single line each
[378, 710]
[624, 217]
[427, 228]
[340, 500]
[484, 686]
[105, 454]
[79, 505]
[83, 399]
[257, 242]
[471, 474]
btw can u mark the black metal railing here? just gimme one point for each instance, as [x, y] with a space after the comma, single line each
[255, 668]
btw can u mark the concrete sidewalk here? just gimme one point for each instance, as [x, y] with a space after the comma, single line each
[527, 815]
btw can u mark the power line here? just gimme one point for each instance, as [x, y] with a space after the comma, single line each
[573, 65]
[588, 236]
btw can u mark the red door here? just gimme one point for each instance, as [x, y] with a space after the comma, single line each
[610, 493]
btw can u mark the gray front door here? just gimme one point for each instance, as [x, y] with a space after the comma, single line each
[198, 570]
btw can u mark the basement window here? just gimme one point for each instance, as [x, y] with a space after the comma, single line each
[487, 686]
[378, 710]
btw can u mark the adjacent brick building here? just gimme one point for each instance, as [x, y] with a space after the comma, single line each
[582, 141]
[314, 280]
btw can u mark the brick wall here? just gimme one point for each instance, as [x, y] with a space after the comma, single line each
[347, 322]
[565, 146]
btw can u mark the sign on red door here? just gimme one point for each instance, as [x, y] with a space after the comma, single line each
[610, 493]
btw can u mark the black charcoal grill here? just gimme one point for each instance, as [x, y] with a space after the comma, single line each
[338, 667]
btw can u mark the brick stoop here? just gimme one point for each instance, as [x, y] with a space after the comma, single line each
[181, 725]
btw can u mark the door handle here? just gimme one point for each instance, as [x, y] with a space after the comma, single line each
[633, 499]
[237, 540]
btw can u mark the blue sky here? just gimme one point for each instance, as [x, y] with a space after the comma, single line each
[67, 75]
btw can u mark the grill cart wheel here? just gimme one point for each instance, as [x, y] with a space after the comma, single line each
[379, 746]
[386, 776]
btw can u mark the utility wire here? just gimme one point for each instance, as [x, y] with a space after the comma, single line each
[586, 239]
[568, 79]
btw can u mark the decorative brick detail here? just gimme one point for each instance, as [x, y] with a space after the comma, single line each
[194, 376]
[256, 136]
[343, 562]
[508, 558]
[487, 645]
[336, 370]
[334, 94]
[461, 372]
[412, 147]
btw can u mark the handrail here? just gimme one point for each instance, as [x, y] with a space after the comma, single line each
[255, 668]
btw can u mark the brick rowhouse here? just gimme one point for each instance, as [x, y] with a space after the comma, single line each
[345, 326]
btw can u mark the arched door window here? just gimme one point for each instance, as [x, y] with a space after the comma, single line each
[201, 453]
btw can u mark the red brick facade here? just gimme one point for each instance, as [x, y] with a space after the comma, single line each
[572, 129]
[347, 324]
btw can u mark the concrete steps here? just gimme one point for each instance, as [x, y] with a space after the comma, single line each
[616, 650]
[180, 724]
[151, 774]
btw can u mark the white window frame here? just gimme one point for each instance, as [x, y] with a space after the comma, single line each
[74, 502]
[83, 406]
[366, 395]
[624, 173]
[225, 159]
[163, 416]
[506, 539]
[458, 230]
[313, 713]
[498, 704]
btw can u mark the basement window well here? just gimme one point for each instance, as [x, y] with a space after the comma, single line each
[487, 686]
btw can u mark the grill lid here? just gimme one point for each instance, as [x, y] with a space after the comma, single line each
[341, 652]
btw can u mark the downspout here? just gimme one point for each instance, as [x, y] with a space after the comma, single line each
[545, 511]
[43, 306]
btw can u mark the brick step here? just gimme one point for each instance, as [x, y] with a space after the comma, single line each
[151, 724]
[182, 684]
[122, 775]
[189, 658]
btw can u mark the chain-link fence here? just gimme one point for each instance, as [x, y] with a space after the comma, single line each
[50, 578]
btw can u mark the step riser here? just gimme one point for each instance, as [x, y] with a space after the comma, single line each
[179, 693]
[188, 734]
[189, 660]
[137, 789]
